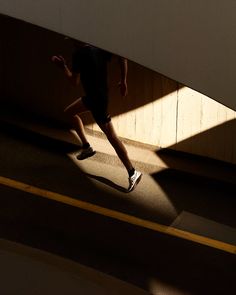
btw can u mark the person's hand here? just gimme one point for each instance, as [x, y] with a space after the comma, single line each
[123, 88]
[59, 61]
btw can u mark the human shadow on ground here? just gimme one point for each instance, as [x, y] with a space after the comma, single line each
[107, 182]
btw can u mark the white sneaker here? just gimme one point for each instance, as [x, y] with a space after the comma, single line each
[85, 153]
[134, 180]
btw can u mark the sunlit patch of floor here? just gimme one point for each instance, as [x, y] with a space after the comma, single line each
[148, 195]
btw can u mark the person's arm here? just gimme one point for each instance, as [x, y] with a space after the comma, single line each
[123, 74]
[59, 60]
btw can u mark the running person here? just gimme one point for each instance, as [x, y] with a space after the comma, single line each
[89, 65]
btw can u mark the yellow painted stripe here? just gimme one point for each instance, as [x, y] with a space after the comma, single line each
[118, 215]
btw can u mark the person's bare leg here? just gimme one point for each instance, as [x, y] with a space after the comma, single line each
[72, 111]
[78, 126]
[134, 175]
[120, 149]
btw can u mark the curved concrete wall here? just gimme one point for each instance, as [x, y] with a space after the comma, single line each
[192, 42]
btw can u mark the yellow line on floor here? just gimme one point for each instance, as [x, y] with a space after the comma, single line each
[118, 215]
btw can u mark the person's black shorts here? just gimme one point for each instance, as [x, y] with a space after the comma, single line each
[98, 107]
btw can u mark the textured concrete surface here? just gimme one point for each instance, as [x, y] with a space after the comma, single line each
[169, 195]
[25, 270]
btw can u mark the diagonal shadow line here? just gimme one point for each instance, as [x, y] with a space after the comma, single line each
[214, 164]
[195, 183]
[42, 141]
[107, 182]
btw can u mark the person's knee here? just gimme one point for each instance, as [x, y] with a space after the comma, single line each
[75, 120]
[109, 131]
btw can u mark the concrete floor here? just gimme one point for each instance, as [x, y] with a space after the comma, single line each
[177, 195]
[31, 271]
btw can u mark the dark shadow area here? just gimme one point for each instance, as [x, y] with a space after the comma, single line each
[199, 195]
[202, 185]
[223, 142]
[40, 161]
[107, 182]
[44, 142]
[220, 137]
[31, 81]
[120, 249]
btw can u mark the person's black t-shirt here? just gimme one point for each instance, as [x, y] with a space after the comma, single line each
[91, 63]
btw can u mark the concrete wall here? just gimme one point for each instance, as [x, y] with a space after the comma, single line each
[157, 111]
[192, 42]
